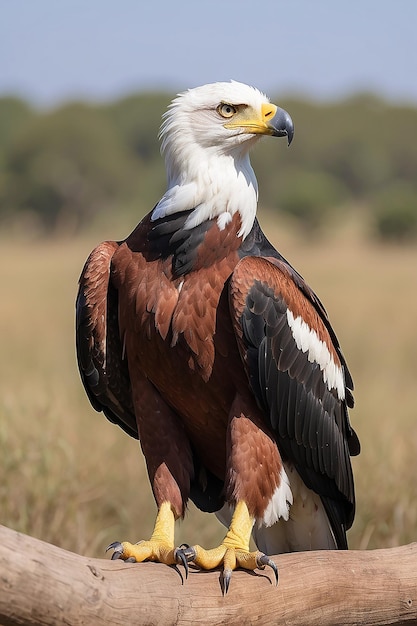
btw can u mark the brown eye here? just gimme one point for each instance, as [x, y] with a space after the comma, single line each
[226, 110]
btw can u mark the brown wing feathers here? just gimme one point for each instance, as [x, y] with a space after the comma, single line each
[99, 350]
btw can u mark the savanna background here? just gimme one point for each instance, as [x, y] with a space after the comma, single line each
[340, 204]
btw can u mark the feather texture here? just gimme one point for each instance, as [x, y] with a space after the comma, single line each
[197, 335]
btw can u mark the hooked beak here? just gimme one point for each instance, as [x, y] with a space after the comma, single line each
[281, 124]
[270, 120]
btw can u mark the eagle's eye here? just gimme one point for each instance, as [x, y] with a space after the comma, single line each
[226, 110]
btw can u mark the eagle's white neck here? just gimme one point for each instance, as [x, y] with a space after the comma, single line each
[213, 183]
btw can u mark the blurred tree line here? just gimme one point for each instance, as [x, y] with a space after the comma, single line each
[61, 170]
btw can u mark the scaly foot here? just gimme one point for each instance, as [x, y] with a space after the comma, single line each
[160, 547]
[231, 558]
[233, 552]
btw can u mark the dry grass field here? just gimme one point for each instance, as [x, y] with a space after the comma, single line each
[71, 478]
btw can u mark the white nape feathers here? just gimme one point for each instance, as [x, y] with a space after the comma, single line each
[207, 163]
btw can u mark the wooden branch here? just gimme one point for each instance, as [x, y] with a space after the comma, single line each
[45, 585]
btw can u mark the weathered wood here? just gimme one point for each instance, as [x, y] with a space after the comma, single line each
[45, 585]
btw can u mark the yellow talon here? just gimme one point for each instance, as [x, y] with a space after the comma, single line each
[234, 551]
[160, 547]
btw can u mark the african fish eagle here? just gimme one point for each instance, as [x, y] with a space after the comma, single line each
[197, 337]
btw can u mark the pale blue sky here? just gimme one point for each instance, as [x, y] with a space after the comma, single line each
[52, 50]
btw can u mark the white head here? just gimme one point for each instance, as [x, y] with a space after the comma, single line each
[206, 136]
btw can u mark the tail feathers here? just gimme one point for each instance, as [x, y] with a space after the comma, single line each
[299, 533]
[308, 526]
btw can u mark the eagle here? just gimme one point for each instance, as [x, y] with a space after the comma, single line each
[198, 338]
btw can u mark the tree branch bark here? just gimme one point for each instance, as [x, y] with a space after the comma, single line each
[45, 585]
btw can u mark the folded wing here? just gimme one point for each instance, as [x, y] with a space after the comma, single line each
[299, 378]
[103, 369]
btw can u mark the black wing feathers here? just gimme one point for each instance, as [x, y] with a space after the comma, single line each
[309, 419]
[168, 236]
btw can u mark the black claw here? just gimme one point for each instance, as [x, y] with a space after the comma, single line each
[181, 557]
[177, 569]
[131, 559]
[265, 560]
[118, 550]
[189, 552]
[114, 545]
[226, 577]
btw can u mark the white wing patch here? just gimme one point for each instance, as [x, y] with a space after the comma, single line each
[308, 342]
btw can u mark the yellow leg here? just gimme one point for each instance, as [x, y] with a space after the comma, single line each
[160, 546]
[234, 551]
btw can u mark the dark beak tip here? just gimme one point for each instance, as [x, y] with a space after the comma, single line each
[283, 125]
